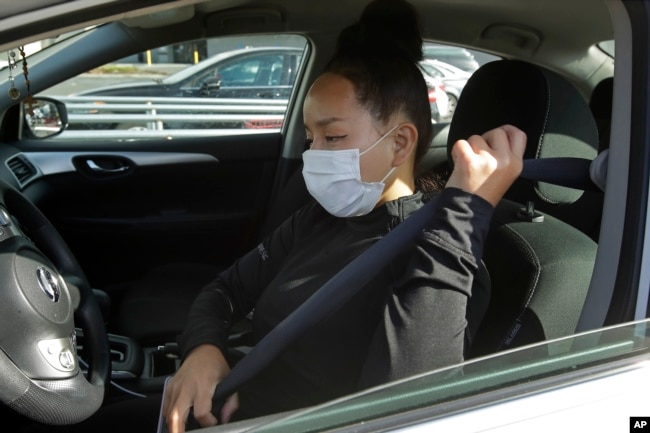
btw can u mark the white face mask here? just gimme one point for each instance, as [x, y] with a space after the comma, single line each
[333, 178]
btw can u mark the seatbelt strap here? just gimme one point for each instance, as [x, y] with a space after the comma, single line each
[327, 299]
[577, 173]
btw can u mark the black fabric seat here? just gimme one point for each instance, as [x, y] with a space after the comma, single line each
[600, 104]
[540, 263]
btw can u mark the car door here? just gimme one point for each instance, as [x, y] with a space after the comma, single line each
[129, 200]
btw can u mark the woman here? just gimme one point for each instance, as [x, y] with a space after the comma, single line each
[367, 123]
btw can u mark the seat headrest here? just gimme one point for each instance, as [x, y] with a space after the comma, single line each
[549, 109]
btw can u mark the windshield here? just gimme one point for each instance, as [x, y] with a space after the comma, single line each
[500, 371]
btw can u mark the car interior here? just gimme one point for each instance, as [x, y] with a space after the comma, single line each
[142, 237]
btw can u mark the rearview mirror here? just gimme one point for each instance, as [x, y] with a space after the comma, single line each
[43, 117]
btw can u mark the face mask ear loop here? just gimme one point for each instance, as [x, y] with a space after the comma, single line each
[388, 174]
[379, 140]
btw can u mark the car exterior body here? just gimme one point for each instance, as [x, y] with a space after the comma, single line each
[438, 99]
[459, 57]
[454, 79]
[191, 199]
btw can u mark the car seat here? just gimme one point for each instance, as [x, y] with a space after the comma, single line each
[601, 107]
[540, 265]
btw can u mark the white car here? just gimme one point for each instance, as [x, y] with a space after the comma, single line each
[452, 78]
[94, 222]
[439, 100]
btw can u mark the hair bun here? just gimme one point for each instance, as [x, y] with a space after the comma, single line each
[386, 28]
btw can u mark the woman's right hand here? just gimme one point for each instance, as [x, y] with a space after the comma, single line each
[486, 165]
[193, 386]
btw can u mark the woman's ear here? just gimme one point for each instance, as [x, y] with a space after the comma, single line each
[406, 139]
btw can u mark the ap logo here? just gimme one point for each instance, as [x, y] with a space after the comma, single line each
[640, 424]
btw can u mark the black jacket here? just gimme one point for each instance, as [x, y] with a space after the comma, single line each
[410, 318]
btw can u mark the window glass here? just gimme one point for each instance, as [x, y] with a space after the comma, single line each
[214, 86]
[561, 361]
[446, 69]
[608, 47]
[220, 86]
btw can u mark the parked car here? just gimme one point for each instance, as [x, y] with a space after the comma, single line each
[259, 72]
[86, 215]
[452, 78]
[250, 74]
[459, 57]
[438, 99]
[266, 73]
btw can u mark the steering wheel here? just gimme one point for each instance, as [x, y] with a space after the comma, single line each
[43, 291]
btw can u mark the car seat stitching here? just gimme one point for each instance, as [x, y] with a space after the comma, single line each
[517, 324]
[543, 135]
[546, 116]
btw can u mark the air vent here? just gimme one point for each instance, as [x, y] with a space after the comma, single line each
[22, 169]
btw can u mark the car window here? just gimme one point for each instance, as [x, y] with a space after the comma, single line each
[242, 73]
[246, 71]
[213, 86]
[451, 67]
[514, 373]
[257, 70]
[608, 47]
[432, 71]
[191, 89]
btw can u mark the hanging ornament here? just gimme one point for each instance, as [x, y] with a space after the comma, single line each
[14, 93]
[29, 100]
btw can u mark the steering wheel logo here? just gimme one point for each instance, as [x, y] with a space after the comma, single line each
[48, 284]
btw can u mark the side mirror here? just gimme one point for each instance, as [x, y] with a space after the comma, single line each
[43, 117]
[209, 85]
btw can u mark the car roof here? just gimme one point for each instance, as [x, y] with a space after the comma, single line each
[538, 35]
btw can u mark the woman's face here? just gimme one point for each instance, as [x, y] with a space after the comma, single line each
[334, 120]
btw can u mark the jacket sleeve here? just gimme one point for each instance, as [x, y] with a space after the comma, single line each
[234, 293]
[424, 318]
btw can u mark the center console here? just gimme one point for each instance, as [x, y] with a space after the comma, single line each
[143, 369]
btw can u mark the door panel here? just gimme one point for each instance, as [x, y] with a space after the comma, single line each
[125, 208]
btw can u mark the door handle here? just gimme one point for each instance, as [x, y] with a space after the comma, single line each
[103, 166]
[93, 166]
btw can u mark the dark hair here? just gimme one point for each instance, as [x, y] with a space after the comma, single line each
[379, 55]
